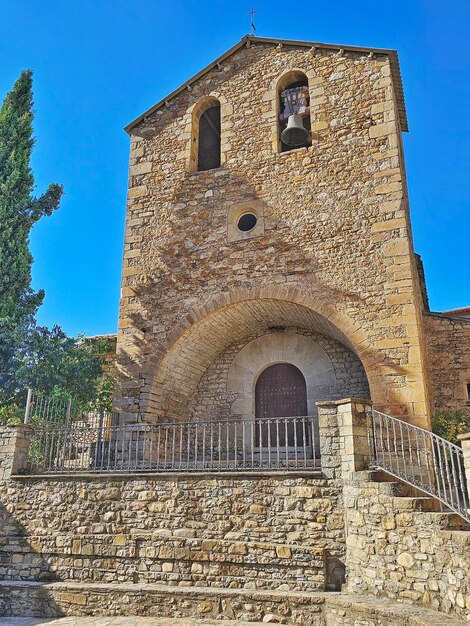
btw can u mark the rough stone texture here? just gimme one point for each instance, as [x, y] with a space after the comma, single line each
[238, 532]
[335, 255]
[414, 556]
[202, 607]
[121, 621]
[13, 449]
[156, 601]
[448, 342]
[396, 546]
[351, 610]
[274, 536]
[465, 443]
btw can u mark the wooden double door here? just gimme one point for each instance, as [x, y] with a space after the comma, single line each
[281, 392]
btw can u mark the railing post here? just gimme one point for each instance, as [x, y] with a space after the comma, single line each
[68, 412]
[465, 439]
[14, 443]
[27, 410]
[343, 436]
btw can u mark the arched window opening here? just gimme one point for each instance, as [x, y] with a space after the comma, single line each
[294, 112]
[208, 156]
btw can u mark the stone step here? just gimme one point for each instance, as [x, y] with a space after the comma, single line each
[127, 621]
[241, 605]
[362, 610]
[448, 521]
[422, 503]
[398, 488]
[388, 482]
[371, 475]
[395, 488]
[389, 485]
[175, 606]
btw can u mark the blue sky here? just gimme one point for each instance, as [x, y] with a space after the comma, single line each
[98, 64]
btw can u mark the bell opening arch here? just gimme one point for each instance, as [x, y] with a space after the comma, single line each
[293, 111]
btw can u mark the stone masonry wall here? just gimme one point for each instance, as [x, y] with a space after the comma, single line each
[409, 555]
[214, 400]
[335, 234]
[278, 531]
[448, 341]
[231, 531]
[13, 447]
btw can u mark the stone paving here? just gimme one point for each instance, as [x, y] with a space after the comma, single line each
[116, 621]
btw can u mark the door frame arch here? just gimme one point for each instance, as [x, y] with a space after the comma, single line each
[286, 438]
[270, 366]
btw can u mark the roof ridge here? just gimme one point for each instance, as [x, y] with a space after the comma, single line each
[253, 39]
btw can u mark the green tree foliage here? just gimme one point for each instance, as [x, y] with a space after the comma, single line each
[51, 360]
[19, 209]
[449, 423]
[31, 356]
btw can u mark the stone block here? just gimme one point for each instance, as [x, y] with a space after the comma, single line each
[284, 552]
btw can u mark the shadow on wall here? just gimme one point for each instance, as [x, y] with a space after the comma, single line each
[19, 562]
[188, 266]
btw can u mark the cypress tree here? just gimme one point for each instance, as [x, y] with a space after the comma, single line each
[19, 211]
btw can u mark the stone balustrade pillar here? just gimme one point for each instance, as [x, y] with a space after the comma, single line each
[465, 439]
[343, 436]
[14, 441]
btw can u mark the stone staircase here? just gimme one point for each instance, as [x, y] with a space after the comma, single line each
[234, 548]
[168, 573]
[407, 498]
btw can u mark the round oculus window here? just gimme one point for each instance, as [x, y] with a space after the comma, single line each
[247, 222]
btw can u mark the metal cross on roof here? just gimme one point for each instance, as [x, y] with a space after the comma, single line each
[251, 13]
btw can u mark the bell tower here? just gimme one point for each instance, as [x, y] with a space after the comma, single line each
[268, 222]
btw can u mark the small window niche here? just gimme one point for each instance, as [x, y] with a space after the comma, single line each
[206, 146]
[294, 123]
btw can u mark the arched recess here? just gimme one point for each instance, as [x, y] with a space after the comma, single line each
[208, 330]
[300, 351]
[293, 96]
[206, 135]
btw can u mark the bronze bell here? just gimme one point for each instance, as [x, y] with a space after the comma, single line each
[295, 134]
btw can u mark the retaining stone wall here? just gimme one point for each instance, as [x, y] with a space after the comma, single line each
[405, 554]
[266, 533]
[248, 606]
[238, 532]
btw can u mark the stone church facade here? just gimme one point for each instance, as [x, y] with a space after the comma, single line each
[268, 272]
[325, 278]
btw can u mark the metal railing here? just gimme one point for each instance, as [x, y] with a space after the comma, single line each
[49, 409]
[421, 459]
[283, 443]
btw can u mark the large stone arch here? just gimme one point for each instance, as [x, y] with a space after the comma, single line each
[208, 329]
